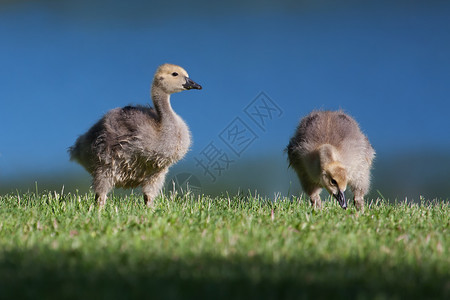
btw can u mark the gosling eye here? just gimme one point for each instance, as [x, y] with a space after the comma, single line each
[174, 74]
[333, 182]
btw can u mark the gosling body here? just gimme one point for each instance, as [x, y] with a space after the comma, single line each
[328, 150]
[135, 145]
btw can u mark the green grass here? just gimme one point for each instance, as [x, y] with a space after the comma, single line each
[60, 247]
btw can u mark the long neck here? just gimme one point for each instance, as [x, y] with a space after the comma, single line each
[327, 154]
[161, 102]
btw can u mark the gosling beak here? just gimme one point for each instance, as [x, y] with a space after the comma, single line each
[190, 84]
[340, 197]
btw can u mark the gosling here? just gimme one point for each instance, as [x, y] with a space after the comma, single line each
[135, 145]
[328, 150]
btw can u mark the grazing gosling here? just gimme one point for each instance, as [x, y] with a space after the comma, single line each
[328, 150]
[135, 145]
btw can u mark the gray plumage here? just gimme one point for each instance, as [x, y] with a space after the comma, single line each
[135, 145]
[328, 150]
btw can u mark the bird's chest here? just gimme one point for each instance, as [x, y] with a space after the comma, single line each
[182, 141]
[174, 143]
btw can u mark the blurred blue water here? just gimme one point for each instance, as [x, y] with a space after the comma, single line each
[63, 64]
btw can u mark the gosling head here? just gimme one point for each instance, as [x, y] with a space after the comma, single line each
[334, 179]
[173, 79]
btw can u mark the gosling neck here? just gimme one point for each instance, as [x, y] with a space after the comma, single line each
[327, 155]
[161, 102]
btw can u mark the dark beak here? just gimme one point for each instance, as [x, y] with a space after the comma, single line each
[191, 85]
[340, 197]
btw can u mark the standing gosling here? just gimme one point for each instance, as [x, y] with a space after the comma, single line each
[135, 145]
[329, 151]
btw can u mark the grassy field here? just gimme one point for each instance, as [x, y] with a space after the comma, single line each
[56, 246]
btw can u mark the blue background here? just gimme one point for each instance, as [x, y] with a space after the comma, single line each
[63, 64]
